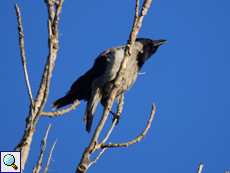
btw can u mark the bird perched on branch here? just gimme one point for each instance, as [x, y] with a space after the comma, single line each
[95, 84]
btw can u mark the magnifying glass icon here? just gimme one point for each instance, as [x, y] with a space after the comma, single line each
[9, 160]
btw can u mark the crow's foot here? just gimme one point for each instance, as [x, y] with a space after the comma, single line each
[115, 116]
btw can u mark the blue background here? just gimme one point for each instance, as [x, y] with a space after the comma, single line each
[187, 79]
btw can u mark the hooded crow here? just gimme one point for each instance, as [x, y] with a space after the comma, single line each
[95, 84]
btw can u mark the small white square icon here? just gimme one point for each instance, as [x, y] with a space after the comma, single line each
[10, 161]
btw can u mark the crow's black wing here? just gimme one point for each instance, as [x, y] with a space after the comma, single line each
[84, 83]
[96, 71]
[81, 88]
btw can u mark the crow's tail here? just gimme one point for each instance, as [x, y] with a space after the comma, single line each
[91, 107]
[68, 99]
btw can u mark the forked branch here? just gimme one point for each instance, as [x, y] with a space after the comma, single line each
[51, 151]
[96, 159]
[37, 106]
[119, 110]
[137, 139]
[43, 144]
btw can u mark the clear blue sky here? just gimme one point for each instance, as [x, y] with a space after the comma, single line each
[187, 79]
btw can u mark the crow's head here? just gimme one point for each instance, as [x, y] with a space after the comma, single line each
[148, 49]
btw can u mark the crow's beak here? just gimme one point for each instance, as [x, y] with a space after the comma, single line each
[159, 42]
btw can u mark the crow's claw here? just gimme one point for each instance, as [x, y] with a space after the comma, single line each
[115, 116]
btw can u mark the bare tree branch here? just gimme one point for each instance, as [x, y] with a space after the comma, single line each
[21, 42]
[53, 48]
[56, 18]
[119, 110]
[144, 10]
[48, 162]
[57, 113]
[138, 138]
[42, 94]
[34, 169]
[24, 144]
[56, 2]
[96, 159]
[200, 168]
[120, 105]
[141, 73]
[110, 131]
[130, 40]
[51, 9]
[49, 61]
[82, 167]
[43, 144]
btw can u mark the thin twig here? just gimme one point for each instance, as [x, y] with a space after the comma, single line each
[48, 162]
[56, 18]
[110, 131]
[43, 144]
[119, 110]
[200, 168]
[34, 169]
[57, 113]
[96, 159]
[120, 105]
[21, 42]
[141, 73]
[134, 24]
[138, 138]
